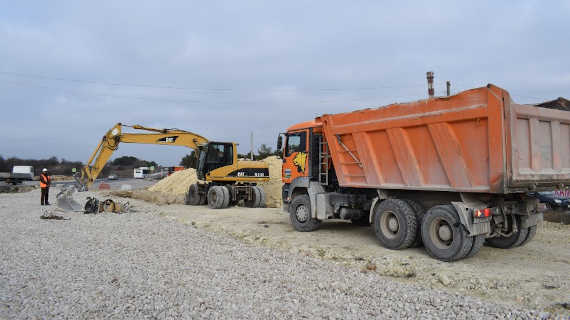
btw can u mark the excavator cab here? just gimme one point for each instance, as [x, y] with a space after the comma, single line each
[214, 155]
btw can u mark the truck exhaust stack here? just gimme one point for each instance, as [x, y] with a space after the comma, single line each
[429, 76]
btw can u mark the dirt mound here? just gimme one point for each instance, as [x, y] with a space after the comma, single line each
[176, 183]
[272, 188]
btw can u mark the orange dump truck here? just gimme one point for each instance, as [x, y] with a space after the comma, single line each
[448, 172]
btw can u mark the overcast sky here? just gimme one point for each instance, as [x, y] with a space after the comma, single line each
[70, 70]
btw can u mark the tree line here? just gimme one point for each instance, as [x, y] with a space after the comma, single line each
[65, 167]
[55, 165]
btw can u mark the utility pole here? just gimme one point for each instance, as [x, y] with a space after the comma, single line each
[251, 141]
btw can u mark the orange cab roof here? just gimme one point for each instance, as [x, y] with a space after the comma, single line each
[305, 125]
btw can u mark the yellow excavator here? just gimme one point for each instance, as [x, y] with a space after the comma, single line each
[225, 180]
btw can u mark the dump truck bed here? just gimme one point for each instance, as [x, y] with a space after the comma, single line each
[475, 141]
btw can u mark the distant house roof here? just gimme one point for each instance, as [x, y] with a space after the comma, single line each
[560, 104]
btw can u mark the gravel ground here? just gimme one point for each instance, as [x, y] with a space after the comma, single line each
[139, 265]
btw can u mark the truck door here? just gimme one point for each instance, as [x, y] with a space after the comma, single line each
[295, 159]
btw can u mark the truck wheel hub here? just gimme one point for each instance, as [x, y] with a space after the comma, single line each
[302, 213]
[393, 224]
[444, 232]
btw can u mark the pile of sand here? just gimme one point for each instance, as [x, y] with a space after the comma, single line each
[172, 188]
[177, 183]
[272, 188]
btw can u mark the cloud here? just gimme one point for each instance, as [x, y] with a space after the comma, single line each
[225, 68]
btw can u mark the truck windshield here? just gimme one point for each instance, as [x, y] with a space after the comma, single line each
[296, 142]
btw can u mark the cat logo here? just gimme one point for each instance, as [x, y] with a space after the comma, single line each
[300, 160]
[171, 139]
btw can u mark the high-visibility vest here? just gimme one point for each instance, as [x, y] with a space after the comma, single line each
[44, 180]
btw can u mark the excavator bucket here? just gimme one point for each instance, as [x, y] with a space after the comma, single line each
[65, 199]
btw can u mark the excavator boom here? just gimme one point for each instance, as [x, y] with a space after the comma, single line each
[110, 142]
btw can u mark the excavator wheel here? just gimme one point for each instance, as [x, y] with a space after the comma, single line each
[262, 197]
[193, 197]
[227, 196]
[255, 200]
[216, 197]
[233, 202]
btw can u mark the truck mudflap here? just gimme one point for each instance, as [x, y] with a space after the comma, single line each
[465, 212]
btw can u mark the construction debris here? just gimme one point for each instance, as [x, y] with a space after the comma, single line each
[94, 206]
[65, 199]
[51, 215]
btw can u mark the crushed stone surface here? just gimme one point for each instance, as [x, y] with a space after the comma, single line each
[140, 265]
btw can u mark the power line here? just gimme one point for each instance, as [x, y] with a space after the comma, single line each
[106, 95]
[215, 90]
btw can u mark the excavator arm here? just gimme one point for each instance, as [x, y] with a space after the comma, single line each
[111, 140]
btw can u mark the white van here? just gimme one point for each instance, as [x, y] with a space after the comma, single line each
[141, 172]
[23, 172]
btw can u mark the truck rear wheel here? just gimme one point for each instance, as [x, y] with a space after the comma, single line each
[477, 245]
[193, 197]
[516, 238]
[363, 221]
[444, 236]
[420, 211]
[300, 214]
[395, 224]
[215, 197]
[530, 235]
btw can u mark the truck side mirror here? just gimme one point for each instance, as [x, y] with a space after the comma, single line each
[279, 142]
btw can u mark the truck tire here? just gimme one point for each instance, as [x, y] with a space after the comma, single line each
[443, 235]
[512, 241]
[478, 242]
[255, 198]
[363, 221]
[300, 214]
[530, 235]
[193, 197]
[227, 197]
[395, 224]
[215, 197]
[420, 211]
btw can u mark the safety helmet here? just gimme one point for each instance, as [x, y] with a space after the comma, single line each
[44, 170]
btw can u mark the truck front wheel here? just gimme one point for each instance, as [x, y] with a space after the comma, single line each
[300, 214]
[395, 224]
[444, 236]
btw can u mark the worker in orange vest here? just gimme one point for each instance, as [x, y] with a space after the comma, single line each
[45, 182]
